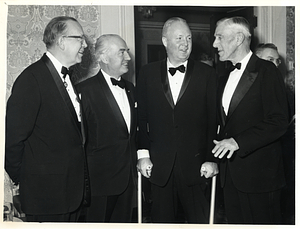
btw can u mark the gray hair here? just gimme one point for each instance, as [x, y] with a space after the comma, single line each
[239, 24]
[54, 28]
[169, 22]
[102, 44]
[260, 47]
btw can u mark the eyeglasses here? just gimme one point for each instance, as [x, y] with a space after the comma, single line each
[80, 38]
[275, 61]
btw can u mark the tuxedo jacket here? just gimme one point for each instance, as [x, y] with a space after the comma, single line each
[183, 131]
[111, 148]
[257, 118]
[44, 149]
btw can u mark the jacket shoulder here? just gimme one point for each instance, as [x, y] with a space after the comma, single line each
[153, 65]
[86, 84]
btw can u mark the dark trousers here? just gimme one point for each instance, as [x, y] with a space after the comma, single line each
[251, 208]
[175, 193]
[113, 209]
[68, 217]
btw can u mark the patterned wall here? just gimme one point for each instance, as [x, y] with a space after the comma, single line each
[290, 55]
[25, 28]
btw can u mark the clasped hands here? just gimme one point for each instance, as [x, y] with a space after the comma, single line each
[208, 169]
[225, 146]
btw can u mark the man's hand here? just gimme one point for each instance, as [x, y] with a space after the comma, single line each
[225, 146]
[209, 169]
[144, 165]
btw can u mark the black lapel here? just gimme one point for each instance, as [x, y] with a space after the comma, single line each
[246, 81]
[60, 87]
[111, 100]
[222, 83]
[165, 83]
[187, 77]
[130, 95]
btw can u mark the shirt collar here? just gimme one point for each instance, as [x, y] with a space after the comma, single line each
[55, 62]
[171, 65]
[107, 77]
[245, 61]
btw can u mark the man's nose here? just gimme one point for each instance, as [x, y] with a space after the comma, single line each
[215, 43]
[127, 56]
[84, 44]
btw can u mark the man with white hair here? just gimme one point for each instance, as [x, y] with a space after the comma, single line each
[253, 115]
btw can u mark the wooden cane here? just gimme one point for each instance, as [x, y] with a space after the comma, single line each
[139, 197]
[212, 200]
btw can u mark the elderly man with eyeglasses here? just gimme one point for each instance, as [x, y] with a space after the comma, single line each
[44, 151]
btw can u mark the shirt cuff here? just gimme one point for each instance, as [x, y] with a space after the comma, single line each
[143, 153]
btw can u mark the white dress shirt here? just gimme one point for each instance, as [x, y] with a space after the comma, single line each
[121, 99]
[69, 87]
[233, 81]
[175, 81]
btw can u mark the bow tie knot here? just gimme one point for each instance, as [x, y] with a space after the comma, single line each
[65, 71]
[237, 66]
[120, 83]
[180, 68]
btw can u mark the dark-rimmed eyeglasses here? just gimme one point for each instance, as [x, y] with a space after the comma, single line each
[80, 38]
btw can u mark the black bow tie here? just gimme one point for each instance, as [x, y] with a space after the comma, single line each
[120, 83]
[237, 66]
[181, 68]
[65, 72]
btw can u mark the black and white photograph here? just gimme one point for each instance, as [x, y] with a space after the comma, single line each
[148, 114]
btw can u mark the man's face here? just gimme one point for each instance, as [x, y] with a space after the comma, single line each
[270, 55]
[74, 47]
[178, 42]
[117, 57]
[225, 42]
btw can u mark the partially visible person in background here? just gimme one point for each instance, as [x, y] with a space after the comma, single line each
[205, 58]
[110, 113]
[268, 52]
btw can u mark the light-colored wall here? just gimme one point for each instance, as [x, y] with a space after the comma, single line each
[26, 24]
[271, 28]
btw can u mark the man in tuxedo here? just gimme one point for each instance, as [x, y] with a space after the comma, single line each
[44, 151]
[268, 52]
[110, 110]
[177, 124]
[253, 115]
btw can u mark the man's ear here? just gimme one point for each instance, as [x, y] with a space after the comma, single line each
[240, 37]
[103, 58]
[164, 41]
[60, 42]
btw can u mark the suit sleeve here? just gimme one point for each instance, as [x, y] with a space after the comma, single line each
[275, 109]
[143, 137]
[21, 112]
[212, 115]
